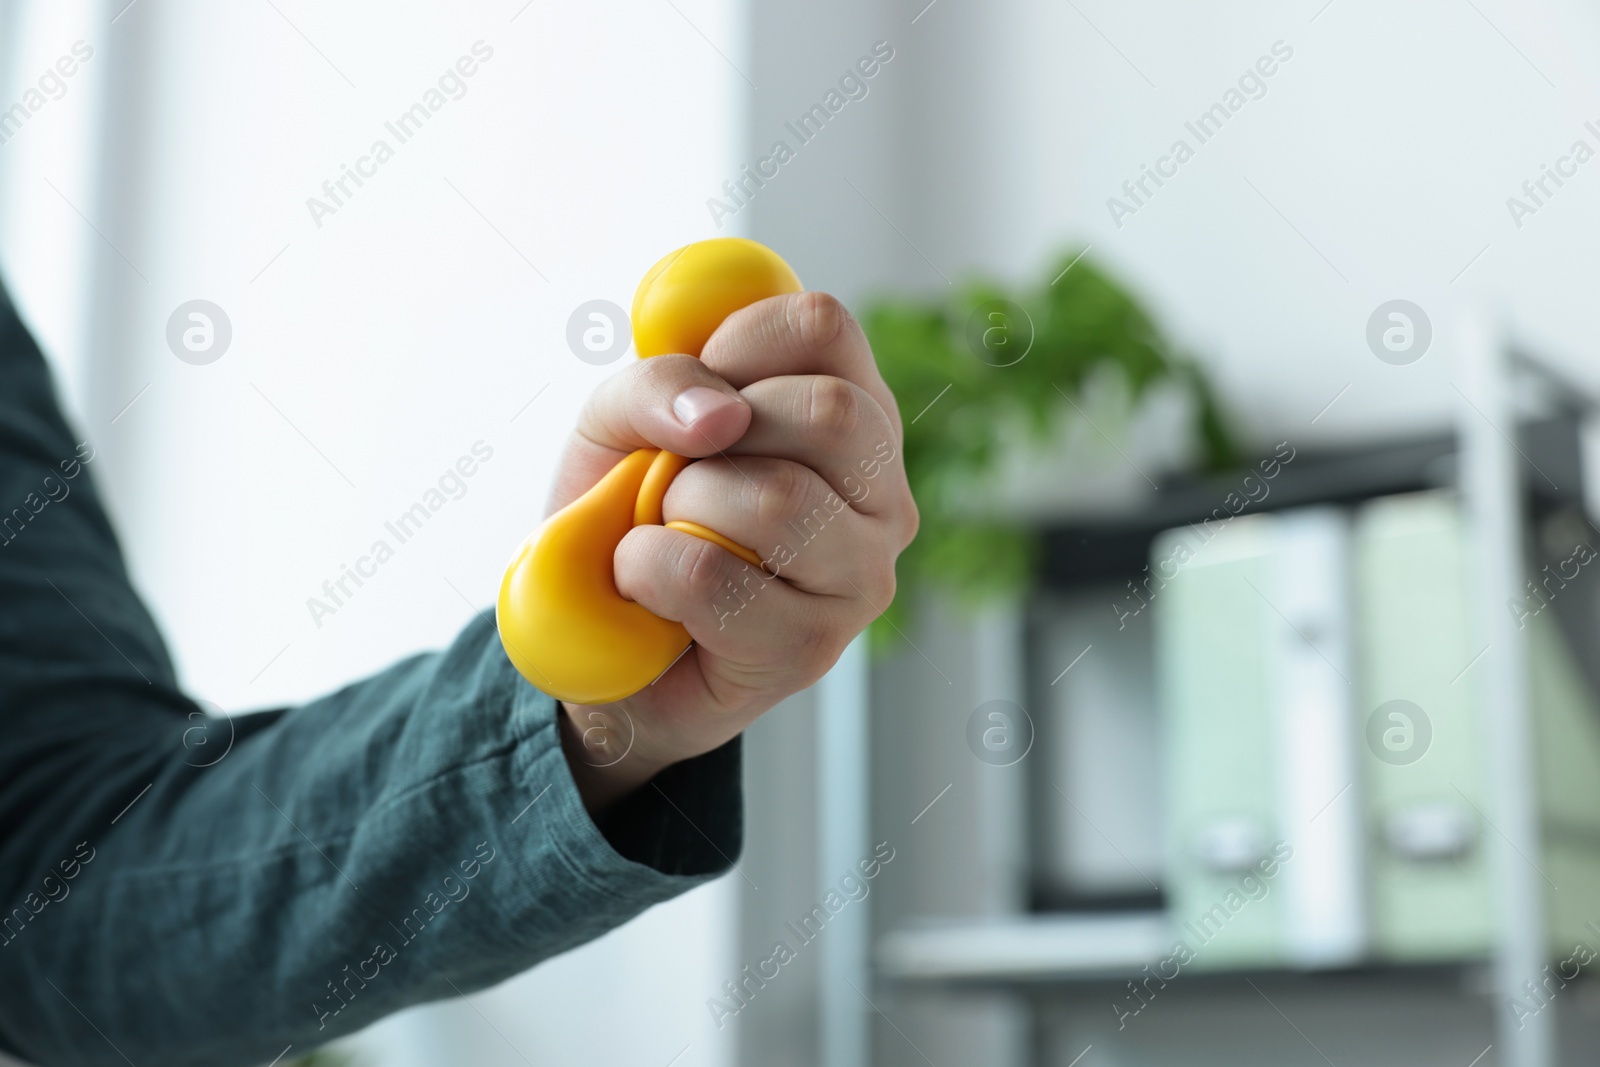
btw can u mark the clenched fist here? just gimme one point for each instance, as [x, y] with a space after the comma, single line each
[799, 444]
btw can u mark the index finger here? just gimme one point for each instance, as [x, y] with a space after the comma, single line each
[795, 334]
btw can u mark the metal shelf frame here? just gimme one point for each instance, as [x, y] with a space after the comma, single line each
[1496, 478]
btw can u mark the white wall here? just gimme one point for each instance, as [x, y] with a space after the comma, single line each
[368, 354]
[47, 265]
[1391, 140]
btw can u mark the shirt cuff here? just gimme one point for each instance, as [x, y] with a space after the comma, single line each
[687, 822]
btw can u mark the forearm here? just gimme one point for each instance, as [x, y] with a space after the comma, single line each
[412, 837]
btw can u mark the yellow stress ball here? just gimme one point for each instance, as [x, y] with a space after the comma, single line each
[686, 295]
[563, 624]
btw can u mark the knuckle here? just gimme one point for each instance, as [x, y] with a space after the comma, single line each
[646, 381]
[662, 375]
[834, 408]
[816, 318]
[705, 569]
[652, 371]
[782, 493]
[715, 581]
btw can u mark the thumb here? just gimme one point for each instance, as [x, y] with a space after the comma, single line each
[671, 402]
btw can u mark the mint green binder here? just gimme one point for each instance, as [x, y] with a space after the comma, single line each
[1415, 636]
[1419, 782]
[1211, 643]
[1417, 642]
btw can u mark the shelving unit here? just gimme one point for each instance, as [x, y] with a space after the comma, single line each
[1080, 940]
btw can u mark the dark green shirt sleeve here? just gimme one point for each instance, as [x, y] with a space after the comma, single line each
[184, 890]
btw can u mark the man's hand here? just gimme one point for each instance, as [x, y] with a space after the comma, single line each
[799, 440]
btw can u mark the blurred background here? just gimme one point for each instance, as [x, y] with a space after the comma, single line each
[1239, 703]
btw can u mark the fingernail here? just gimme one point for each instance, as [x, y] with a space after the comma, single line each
[695, 403]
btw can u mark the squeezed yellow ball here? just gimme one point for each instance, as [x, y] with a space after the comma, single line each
[686, 295]
[562, 622]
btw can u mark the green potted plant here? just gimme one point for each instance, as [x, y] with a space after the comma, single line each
[985, 358]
